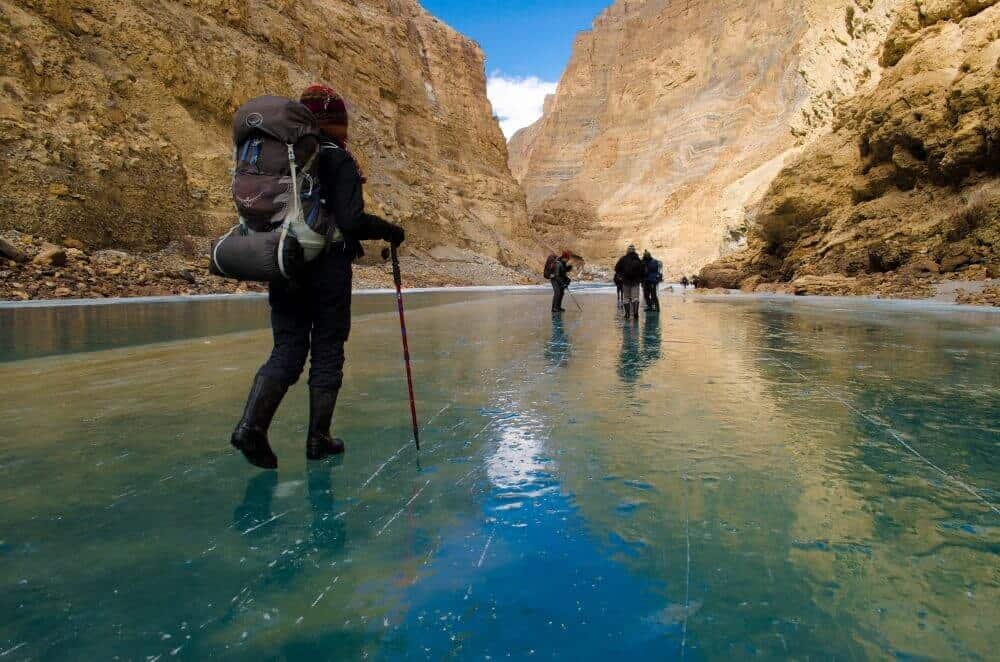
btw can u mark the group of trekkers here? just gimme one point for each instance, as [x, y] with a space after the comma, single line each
[633, 273]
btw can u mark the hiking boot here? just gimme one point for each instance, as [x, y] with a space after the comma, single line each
[250, 435]
[319, 443]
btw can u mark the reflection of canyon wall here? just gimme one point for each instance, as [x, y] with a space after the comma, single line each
[114, 115]
[672, 117]
[906, 184]
[791, 497]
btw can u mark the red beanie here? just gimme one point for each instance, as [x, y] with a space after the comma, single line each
[566, 255]
[325, 104]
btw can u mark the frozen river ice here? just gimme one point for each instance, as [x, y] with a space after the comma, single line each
[729, 479]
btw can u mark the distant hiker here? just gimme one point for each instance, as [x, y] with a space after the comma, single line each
[632, 273]
[314, 311]
[684, 282]
[619, 285]
[695, 282]
[557, 271]
[651, 282]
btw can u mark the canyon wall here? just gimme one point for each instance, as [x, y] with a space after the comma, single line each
[674, 116]
[904, 192]
[114, 116]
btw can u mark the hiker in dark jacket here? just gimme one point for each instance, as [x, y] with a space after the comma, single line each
[651, 282]
[684, 282]
[314, 312]
[560, 281]
[631, 271]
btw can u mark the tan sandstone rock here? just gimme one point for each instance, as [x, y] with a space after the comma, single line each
[51, 255]
[118, 112]
[907, 183]
[673, 118]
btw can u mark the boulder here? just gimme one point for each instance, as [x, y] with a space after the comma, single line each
[830, 285]
[182, 274]
[51, 255]
[713, 276]
[11, 252]
[923, 265]
[954, 263]
[751, 284]
[110, 257]
[775, 288]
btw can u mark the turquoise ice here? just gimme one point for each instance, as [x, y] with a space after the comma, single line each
[729, 479]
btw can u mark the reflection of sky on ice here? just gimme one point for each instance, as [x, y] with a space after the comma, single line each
[517, 458]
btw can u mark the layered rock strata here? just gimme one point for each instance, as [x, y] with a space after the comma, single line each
[114, 116]
[673, 118]
[905, 189]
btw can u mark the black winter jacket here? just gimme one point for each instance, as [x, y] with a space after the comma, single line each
[561, 272]
[343, 198]
[631, 269]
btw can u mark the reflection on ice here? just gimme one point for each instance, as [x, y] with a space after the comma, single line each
[723, 480]
[516, 458]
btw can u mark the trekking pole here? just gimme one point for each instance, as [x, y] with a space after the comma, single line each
[574, 299]
[398, 280]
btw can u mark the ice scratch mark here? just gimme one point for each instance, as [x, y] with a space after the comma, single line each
[434, 417]
[482, 556]
[400, 511]
[871, 419]
[325, 591]
[384, 465]
[687, 571]
[276, 517]
[466, 476]
[11, 650]
[485, 427]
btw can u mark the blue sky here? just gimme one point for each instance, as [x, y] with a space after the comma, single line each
[527, 45]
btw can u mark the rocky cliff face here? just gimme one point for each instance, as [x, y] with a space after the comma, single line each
[674, 116]
[114, 116]
[906, 187]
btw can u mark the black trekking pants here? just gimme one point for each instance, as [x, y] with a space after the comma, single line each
[651, 296]
[314, 313]
[558, 290]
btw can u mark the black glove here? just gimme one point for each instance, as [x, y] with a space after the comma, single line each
[395, 235]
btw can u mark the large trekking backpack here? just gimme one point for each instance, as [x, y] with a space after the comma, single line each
[550, 267]
[276, 191]
[657, 271]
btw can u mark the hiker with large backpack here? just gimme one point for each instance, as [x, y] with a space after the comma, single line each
[310, 302]
[631, 272]
[651, 282]
[557, 271]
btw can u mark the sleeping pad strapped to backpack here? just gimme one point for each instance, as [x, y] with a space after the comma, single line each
[276, 191]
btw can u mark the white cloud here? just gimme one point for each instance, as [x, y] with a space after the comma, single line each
[517, 101]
